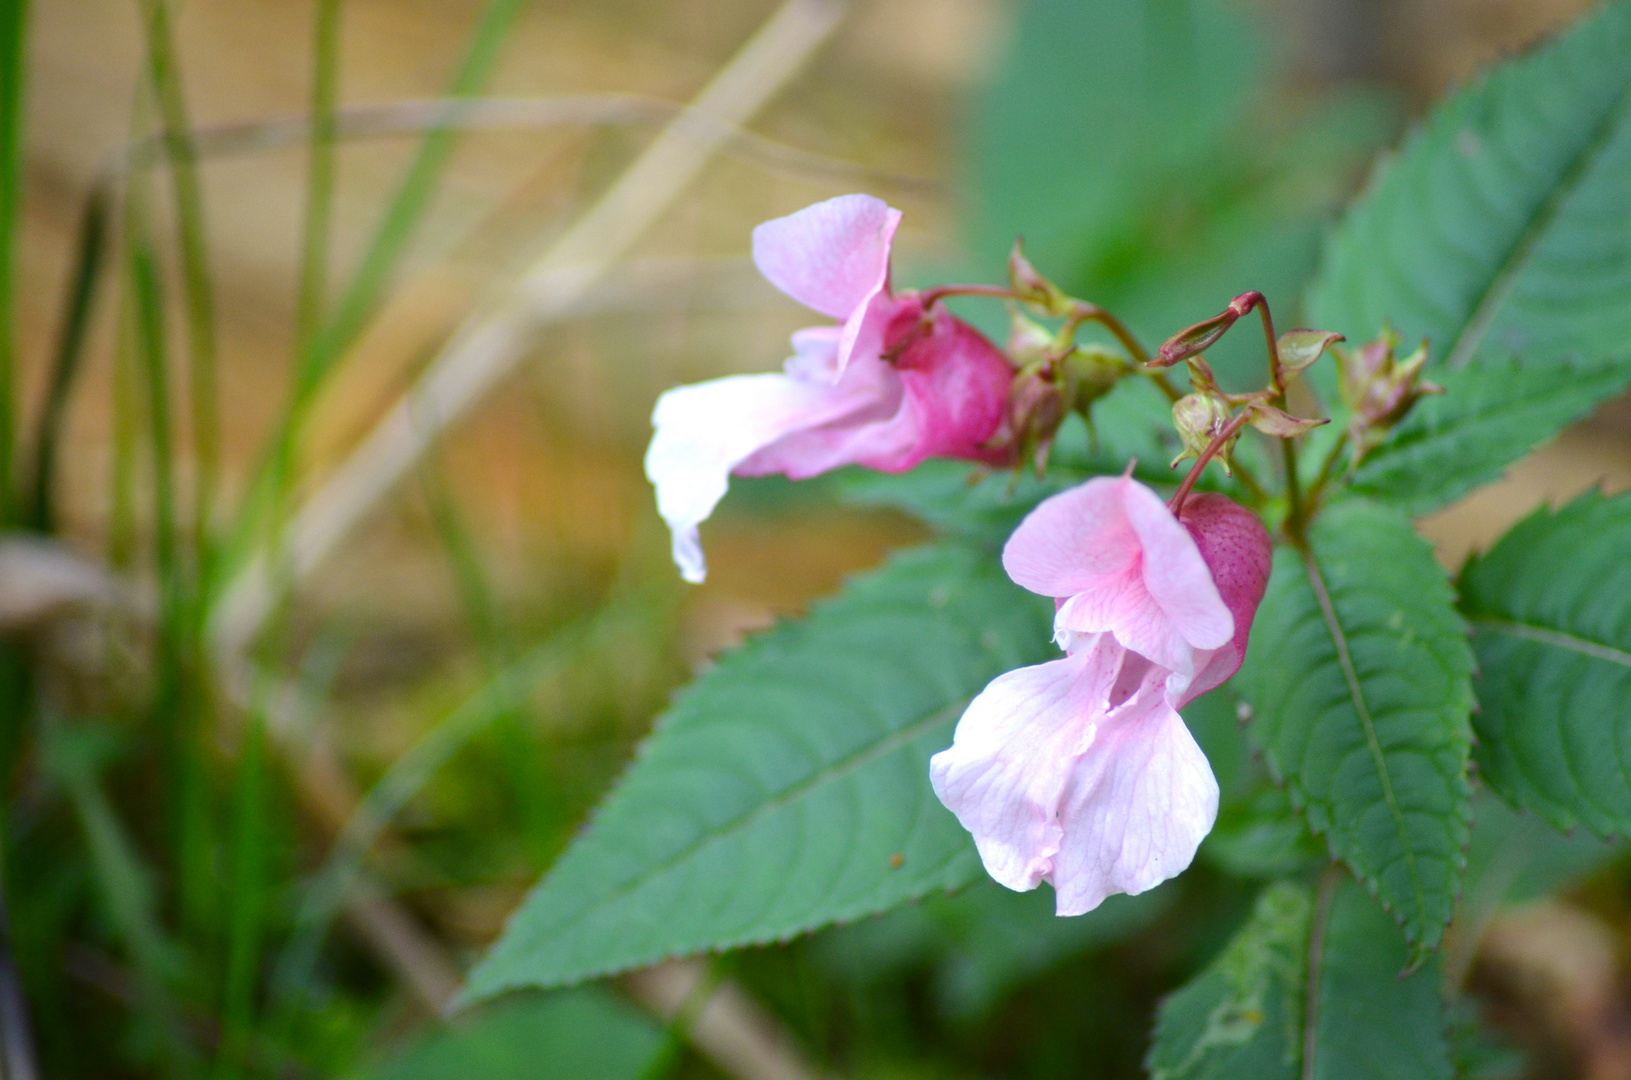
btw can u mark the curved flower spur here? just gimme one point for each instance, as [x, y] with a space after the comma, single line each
[898, 381]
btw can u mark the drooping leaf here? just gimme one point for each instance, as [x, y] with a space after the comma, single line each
[1501, 221]
[1550, 609]
[1359, 678]
[1243, 1016]
[580, 1034]
[1329, 963]
[788, 788]
[1491, 413]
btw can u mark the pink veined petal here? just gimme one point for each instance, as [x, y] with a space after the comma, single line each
[1123, 607]
[1012, 756]
[1175, 574]
[880, 426]
[815, 354]
[833, 256]
[944, 396]
[704, 431]
[1074, 541]
[1138, 804]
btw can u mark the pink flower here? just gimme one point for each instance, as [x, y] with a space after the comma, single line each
[1080, 772]
[894, 384]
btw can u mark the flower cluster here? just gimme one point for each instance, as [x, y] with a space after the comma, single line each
[898, 381]
[1079, 772]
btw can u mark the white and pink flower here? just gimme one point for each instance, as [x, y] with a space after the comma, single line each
[896, 382]
[1080, 772]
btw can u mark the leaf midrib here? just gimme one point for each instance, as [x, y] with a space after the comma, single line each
[1545, 635]
[1361, 708]
[837, 770]
[1513, 263]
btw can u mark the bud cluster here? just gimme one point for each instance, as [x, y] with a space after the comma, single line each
[1379, 389]
[1055, 376]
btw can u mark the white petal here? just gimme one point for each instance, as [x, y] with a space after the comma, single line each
[1138, 804]
[1011, 759]
[705, 430]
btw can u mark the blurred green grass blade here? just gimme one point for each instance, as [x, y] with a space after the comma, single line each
[502, 695]
[66, 365]
[314, 241]
[402, 216]
[331, 337]
[247, 902]
[165, 75]
[13, 39]
[126, 886]
[176, 697]
[788, 788]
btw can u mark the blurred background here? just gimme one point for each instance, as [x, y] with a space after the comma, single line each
[270, 787]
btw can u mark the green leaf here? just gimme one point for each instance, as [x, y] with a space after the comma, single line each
[1331, 963]
[788, 788]
[583, 1034]
[983, 942]
[1491, 413]
[1359, 677]
[1550, 608]
[1501, 222]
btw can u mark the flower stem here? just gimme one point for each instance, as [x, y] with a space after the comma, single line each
[1219, 441]
[1317, 490]
[929, 297]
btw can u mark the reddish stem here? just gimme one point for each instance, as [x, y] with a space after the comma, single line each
[928, 297]
[1219, 441]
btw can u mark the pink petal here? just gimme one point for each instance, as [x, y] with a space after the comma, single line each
[1075, 541]
[879, 426]
[1139, 802]
[833, 256]
[944, 396]
[1113, 552]
[1239, 553]
[1175, 574]
[1012, 757]
[704, 431]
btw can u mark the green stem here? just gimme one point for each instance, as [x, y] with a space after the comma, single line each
[66, 366]
[247, 906]
[189, 201]
[1316, 491]
[402, 218]
[1083, 312]
[1213, 448]
[13, 22]
[325, 82]
[1296, 522]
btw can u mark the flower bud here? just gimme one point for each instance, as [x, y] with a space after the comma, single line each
[1028, 340]
[1201, 418]
[1297, 349]
[1278, 423]
[1031, 287]
[1380, 390]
